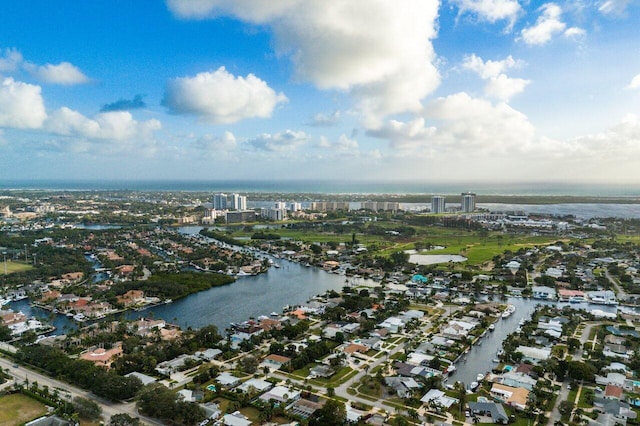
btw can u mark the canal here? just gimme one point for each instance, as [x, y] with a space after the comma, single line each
[480, 357]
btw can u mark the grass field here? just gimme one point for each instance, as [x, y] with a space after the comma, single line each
[17, 409]
[14, 267]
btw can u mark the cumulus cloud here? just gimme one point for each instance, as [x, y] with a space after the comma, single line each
[211, 143]
[613, 7]
[504, 88]
[325, 120]
[498, 85]
[490, 68]
[21, 105]
[343, 143]
[220, 97]
[63, 73]
[124, 104]
[548, 24]
[115, 126]
[491, 10]
[635, 83]
[280, 142]
[463, 125]
[10, 60]
[376, 50]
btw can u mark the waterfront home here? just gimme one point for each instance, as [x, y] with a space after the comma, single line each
[101, 356]
[517, 380]
[436, 397]
[567, 295]
[543, 293]
[514, 397]
[534, 355]
[494, 410]
[131, 298]
[457, 330]
[145, 327]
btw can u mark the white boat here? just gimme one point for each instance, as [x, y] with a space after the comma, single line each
[450, 369]
[480, 377]
[510, 309]
[496, 360]
[474, 385]
[492, 327]
[79, 317]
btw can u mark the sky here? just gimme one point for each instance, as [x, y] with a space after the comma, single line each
[361, 90]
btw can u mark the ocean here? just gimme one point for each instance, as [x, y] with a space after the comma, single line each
[333, 187]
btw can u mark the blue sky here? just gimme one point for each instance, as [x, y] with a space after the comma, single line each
[486, 90]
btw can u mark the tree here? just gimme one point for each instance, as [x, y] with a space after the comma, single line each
[123, 420]
[566, 407]
[5, 332]
[333, 413]
[87, 408]
[249, 364]
[578, 370]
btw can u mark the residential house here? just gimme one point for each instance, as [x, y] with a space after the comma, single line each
[515, 397]
[439, 398]
[101, 356]
[490, 409]
[281, 394]
[275, 362]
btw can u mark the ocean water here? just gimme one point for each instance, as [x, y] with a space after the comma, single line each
[334, 187]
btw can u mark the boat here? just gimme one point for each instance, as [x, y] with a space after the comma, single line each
[168, 301]
[480, 377]
[79, 317]
[492, 327]
[474, 385]
[450, 369]
[521, 322]
[500, 352]
[510, 309]
[496, 360]
[276, 265]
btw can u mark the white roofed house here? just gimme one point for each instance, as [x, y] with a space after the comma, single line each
[393, 324]
[281, 394]
[534, 355]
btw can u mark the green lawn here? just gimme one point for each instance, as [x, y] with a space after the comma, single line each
[14, 267]
[17, 409]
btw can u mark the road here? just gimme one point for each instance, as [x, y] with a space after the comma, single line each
[555, 414]
[622, 295]
[22, 374]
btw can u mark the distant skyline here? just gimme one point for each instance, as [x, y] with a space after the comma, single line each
[363, 90]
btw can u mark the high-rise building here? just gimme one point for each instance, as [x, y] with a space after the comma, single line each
[234, 201]
[438, 204]
[220, 201]
[468, 203]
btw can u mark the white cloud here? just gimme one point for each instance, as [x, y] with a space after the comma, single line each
[464, 126]
[63, 73]
[491, 10]
[547, 25]
[498, 85]
[210, 143]
[614, 7]
[377, 50]
[325, 120]
[220, 97]
[343, 143]
[490, 68]
[113, 126]
[575, 33]
[10, 59]
[285, 141]
[635, 83]
[21, 105]
[504, 88]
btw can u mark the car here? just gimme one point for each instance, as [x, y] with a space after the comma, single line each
[15, 365]
[569, 387]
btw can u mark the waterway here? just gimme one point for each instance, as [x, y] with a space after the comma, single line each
[480, 357]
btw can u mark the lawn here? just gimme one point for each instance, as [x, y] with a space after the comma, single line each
[14, 267]
[17, 409]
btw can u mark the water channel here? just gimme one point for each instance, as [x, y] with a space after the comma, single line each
[480, 357]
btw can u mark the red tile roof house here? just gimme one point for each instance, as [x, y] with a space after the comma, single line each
[613, 392]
